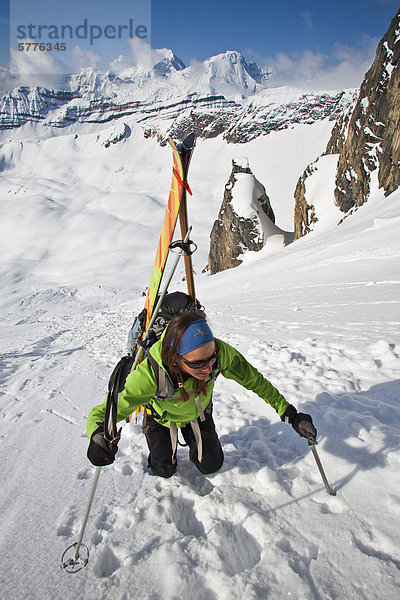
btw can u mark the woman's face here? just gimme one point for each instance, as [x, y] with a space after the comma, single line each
[202, 354]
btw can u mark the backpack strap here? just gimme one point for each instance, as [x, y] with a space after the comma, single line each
[199, 408]
[115, 386]
[173, 432]
[165, 388]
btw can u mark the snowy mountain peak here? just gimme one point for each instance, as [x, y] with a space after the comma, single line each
[229, 72]
[94, 84]
[165, 62]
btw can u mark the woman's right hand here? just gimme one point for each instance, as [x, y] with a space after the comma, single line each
[100, 451]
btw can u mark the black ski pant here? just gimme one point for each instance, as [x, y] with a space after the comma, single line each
[160, 446]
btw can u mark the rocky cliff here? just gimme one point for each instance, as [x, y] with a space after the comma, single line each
[304, 213]
[365, 138]
[373, 137]
[246, 221]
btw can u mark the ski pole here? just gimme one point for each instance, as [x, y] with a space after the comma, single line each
[77, 562]
[312, 442]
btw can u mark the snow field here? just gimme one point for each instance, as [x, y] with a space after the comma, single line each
[319, 318]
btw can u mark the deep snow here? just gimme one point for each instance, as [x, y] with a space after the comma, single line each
[320, 318]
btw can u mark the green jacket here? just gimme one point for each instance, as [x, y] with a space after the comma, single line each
[141, 386]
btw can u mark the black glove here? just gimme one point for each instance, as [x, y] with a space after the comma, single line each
[101, 452]
[301, 422]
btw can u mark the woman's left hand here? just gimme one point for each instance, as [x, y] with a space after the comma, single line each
[304, 426]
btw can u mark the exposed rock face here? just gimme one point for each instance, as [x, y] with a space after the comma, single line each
[304, 213]
[365, 138]
[232, 233]
[242, 123]
[245, 221]
[339, 132]
[26, 104]
[373, 138]
[258, 119]
[166, 62]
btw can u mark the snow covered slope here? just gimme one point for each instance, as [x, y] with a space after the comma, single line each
[320, 318]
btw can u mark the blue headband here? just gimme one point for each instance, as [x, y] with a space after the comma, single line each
[197, 334]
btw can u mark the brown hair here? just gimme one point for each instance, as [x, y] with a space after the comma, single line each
[171, 343]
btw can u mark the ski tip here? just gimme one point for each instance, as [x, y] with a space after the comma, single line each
[187, 144]
[190, 140]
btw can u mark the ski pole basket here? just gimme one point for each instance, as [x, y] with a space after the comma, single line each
[70, 562]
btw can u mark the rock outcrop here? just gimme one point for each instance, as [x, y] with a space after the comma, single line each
[304, 213]
[259, 119]
[365, 138]
[373, 137]
[119, 132]
[245, 221]
[338, 137]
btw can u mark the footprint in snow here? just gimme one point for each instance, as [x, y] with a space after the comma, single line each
[236, 547]
[104, 521]
[374, 552]
[66, 527]
[182, 513]
[199, 484]
[301, 563]
[84, 474]
[106, 563]
[127, 470]
[97, 538]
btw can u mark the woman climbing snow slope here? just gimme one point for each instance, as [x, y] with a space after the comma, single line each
[175, 383]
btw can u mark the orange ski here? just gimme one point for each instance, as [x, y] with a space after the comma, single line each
[177, 193]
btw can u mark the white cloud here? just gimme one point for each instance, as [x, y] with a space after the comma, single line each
[140, 56]
[33, 69]
[40, 68]
[31, 62]
[84, 58]
[344, 68]
[121, 64]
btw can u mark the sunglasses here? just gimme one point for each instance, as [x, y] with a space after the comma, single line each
[200, 364]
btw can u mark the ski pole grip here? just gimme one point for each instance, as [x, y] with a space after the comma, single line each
[312, 440]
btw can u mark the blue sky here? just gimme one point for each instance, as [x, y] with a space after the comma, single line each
[265, 27]
[307, 36]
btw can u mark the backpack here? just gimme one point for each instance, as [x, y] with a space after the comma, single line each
[173, 303]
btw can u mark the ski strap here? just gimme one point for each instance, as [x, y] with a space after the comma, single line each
[183, 182]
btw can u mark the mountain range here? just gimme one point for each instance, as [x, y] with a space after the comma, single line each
[224, 95]
[227, 98]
